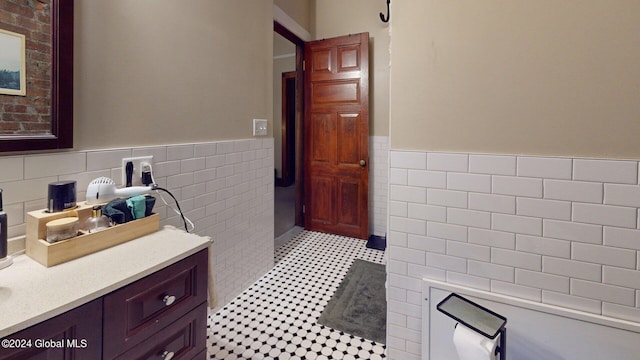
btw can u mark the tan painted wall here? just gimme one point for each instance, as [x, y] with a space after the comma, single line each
[299, 10]
[343, 17]
[523, 77]
[161, 71]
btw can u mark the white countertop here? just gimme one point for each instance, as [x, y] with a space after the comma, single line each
[31, 293]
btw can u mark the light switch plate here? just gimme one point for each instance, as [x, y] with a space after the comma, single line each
[259, 127]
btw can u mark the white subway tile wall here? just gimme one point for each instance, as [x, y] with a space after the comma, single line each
[556, 230]
[225, 188]
[378, 184]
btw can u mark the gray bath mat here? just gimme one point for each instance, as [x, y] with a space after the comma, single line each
[359, 307]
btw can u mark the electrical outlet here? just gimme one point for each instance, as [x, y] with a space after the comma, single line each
[259, 127]
[138, 163]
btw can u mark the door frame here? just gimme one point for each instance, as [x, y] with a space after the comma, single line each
[299, 119]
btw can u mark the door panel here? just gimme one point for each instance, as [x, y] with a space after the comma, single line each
[345, 92]
[337, 135]
[349, 191]
[321, 139]
[349, 58]
[321, 61]
[322, 191]
[348, 140]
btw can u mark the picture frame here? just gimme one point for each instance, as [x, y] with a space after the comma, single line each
[12, 63]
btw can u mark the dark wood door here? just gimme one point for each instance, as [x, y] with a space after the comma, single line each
[337, 135]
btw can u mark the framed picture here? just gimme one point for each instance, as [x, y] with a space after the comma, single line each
[12, 63]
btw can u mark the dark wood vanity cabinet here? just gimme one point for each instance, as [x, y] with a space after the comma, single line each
[162, 316]
[76, 334]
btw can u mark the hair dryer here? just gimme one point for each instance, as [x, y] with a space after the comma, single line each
[103, 189]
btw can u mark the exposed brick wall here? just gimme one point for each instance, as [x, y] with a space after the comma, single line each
[31, 113]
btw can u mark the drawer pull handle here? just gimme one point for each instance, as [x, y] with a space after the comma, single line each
[167, 355]
[168, 300]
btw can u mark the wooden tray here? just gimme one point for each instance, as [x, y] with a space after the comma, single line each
[49, 254]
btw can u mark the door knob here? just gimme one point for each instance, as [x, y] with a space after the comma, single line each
[363, 163]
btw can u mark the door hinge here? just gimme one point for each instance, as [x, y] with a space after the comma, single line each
[304, 209]
[304, 65]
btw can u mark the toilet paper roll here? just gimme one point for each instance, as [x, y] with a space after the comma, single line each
[471, 345]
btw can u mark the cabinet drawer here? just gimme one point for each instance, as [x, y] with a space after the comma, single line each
[183, 339]
[135, 312]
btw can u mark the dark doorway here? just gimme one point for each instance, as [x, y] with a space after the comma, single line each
[288, 130]
[288, 175]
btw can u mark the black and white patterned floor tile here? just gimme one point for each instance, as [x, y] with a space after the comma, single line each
[276, 318]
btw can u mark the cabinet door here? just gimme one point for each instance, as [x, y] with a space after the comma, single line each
[76, 334]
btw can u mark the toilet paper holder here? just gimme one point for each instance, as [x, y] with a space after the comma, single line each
[477, 318]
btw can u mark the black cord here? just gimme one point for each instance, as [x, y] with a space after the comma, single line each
[177, 205]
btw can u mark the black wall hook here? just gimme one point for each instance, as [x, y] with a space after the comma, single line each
[382, 17]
